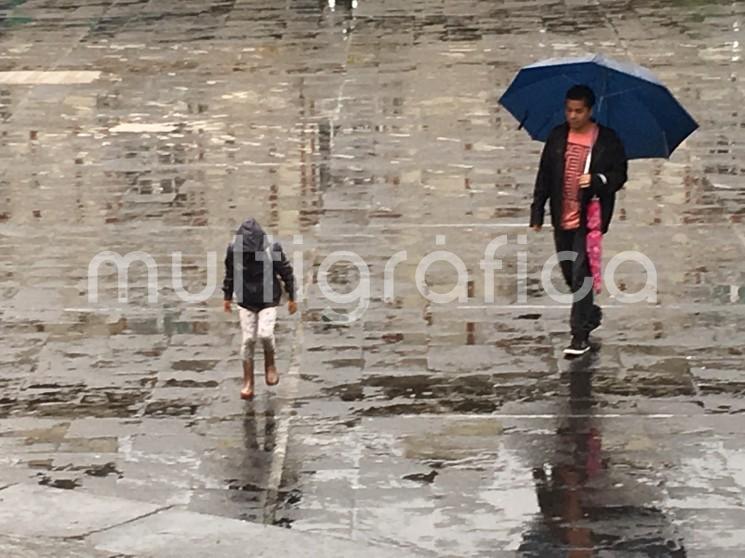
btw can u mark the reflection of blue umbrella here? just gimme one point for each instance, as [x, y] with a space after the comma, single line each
[644, 114]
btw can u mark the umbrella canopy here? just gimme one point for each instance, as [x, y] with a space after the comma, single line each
[629, 99]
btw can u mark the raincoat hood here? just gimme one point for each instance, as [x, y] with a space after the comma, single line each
[252, 235]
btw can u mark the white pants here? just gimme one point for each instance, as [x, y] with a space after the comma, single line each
[257, 326]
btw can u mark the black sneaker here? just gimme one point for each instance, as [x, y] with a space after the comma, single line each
[577, 347]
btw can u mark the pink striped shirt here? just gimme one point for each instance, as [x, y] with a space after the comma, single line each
[578, 148]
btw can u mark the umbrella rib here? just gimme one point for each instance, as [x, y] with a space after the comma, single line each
[534, 84]
[617, 93]
[570, 80]
[653, 117]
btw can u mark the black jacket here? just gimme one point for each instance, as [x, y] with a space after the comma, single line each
[608, 159]
[256, 253]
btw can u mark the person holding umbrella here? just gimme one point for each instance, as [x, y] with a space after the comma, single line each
[594, 113]
[564, 180]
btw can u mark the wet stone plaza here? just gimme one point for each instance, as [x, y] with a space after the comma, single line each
[413, 427]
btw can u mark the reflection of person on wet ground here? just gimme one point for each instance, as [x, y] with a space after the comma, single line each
[560, 497]
[259, 267]
[569, 497]
[562, 179]
[251, 478]
[253, 436]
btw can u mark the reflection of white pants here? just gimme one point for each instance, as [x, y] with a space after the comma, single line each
[257, 325]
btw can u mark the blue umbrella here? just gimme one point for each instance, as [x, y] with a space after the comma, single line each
[629, 99]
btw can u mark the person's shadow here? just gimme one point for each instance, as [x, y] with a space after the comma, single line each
[576, 496]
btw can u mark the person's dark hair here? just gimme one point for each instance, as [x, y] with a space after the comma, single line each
[581, 93]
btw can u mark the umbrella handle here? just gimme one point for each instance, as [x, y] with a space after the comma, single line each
[589, 153]
[592, 146]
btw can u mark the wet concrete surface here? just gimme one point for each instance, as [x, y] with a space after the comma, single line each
[453, 429]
